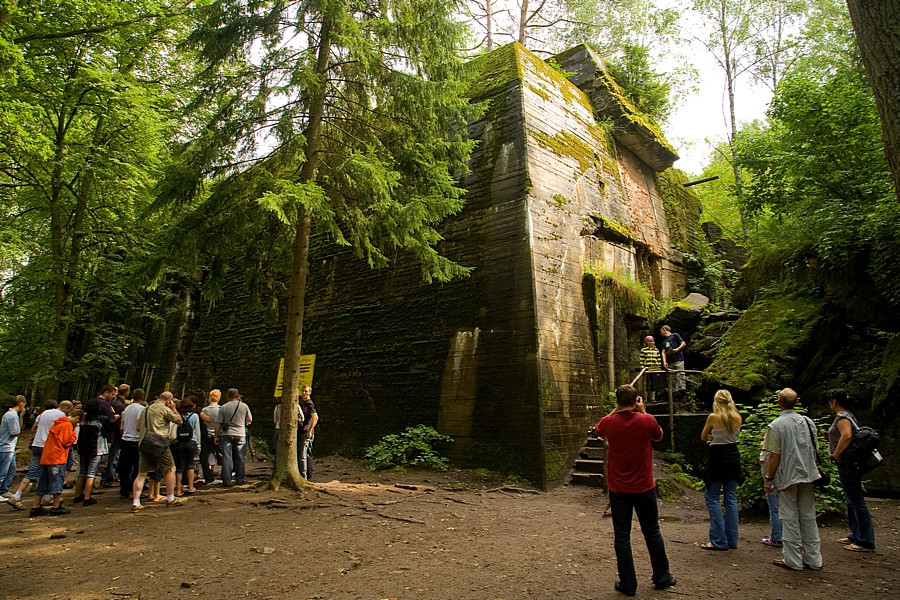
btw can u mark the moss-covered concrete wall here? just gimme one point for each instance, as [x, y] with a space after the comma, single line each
[515, 361]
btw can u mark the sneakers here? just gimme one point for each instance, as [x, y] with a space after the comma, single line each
[89, 502]
[37, 512]
[215, 482]
[77, 499]
[770, 542]
[59, 510]
[176, 502]
[16, 503]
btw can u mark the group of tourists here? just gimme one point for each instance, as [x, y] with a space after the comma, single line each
[789, 461]
[119, 439]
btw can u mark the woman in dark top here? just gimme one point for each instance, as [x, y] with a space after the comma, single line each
[862, 533]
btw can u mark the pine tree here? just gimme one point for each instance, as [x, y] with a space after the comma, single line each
[348, 117]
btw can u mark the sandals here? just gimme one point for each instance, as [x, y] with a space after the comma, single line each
[711, 546]
[780, 563]
[189, 492]
[845, 541]
[857, 548]
[770, 542]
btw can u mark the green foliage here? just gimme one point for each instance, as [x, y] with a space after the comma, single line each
[719, 198]
[648, 89]
[821, 193]
[414, 447]
[710, 276]
[829, 500]
[678, 470]
[366, 127]
[86, 128]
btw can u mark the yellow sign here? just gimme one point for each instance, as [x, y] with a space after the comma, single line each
[307, 364]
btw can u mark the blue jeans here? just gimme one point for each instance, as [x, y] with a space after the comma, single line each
[862, 533]
[232, 454]
[34, 469]
[304, 456]
[7, 470]
[723, 531]
[623, 507]
[774, 517]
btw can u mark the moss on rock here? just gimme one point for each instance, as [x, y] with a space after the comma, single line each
[888, 383]
[766, 347]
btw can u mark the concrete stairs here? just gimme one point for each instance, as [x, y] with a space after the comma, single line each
[590, 466]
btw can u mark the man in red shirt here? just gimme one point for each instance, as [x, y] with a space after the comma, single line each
[632, 489]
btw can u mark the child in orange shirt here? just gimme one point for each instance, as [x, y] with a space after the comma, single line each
[53, 464]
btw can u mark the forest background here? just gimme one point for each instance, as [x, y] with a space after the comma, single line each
[152, 147]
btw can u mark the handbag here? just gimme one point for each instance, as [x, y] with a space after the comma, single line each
[153, 444]
[824, 477]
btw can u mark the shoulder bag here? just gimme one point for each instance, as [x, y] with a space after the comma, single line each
[153, 444]
[824, 477]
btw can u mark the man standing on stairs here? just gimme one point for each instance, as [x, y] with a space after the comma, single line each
[673, 358]
[629, 430]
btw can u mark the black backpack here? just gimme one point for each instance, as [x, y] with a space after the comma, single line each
[185, 433]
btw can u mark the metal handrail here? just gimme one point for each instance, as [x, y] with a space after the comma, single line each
[671, 399]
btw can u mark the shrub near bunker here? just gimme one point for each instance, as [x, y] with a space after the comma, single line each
[413, 447]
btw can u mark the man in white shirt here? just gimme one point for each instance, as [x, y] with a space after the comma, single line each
[10, 426]
[41, 428]
[231, 432]
[792, 468]
[129, 455]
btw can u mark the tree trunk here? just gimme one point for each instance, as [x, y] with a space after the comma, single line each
[287, 470]
[877, 26]
[523, 23]
[489, 23]
[730, 77]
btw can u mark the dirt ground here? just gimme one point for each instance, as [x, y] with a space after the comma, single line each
[411, 535]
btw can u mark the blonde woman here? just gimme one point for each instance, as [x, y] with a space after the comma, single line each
[722, 471]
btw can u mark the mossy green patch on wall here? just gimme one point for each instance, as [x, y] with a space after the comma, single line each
[613, 230]
[492, 72]
[542, 93]
[565, 143]
[765, 346]
[630, 296]
[554, 462]
[630, 112]
[682, 211]
[559, 201]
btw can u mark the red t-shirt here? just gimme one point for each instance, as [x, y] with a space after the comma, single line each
[630, 457]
